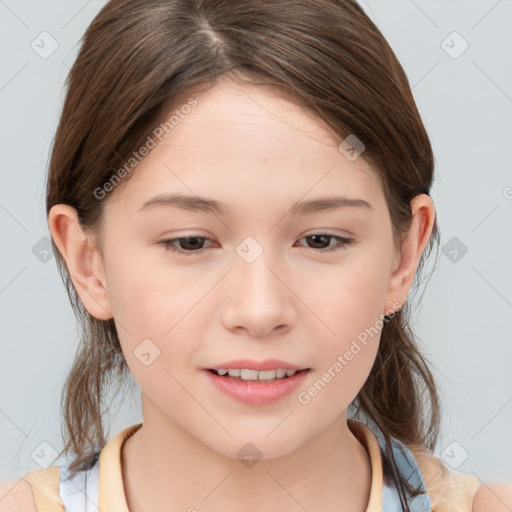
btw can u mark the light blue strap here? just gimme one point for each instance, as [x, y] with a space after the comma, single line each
[409, 469]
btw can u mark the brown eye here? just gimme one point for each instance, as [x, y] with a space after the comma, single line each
[320, 241]
[192, 244]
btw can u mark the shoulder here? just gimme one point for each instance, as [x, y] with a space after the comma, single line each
[36, 491]
[464, 492]
[493, 497]
[448, 490]
[16, 496]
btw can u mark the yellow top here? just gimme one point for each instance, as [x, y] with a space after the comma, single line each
[449, 491]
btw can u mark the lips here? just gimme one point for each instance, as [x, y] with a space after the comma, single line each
[251, 364]
[255, 392]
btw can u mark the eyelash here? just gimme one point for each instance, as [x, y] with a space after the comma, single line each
[344, 243]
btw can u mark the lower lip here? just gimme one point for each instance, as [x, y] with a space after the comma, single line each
[257, 392]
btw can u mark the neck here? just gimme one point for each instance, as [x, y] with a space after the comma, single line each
[165, 468]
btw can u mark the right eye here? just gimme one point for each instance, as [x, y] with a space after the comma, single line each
[191, 241]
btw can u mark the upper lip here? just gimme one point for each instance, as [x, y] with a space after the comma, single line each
[251, 364]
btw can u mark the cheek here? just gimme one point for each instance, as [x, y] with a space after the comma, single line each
[348, 299]
[155, 310]
[149, 294]
[346, 357]
[349, 296]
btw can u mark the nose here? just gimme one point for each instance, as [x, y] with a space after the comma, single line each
[259, 299]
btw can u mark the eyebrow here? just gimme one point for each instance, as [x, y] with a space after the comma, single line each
[203, 204]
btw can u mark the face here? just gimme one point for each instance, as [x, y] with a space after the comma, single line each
[260, 278]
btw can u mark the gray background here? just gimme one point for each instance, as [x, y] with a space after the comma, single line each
[465, 318]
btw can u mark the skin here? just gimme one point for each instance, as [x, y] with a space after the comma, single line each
[249, 147]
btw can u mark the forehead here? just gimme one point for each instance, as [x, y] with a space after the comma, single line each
[241, 140]
[260, 106]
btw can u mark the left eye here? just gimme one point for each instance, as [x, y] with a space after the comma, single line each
[193, 241]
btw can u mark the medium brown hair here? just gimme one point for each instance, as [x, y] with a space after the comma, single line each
[139, 59]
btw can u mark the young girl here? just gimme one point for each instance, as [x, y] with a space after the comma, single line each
[238, 198]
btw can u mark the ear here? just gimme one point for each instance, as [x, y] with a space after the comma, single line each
[83, 260]
[408, 256]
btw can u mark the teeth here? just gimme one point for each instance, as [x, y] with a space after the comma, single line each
[257, 375]
[247, 374]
